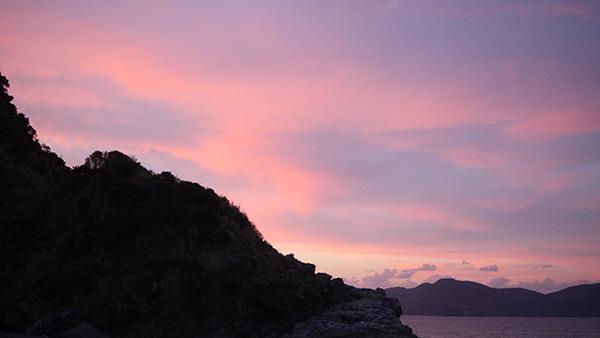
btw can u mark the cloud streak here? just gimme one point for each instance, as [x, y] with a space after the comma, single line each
[407, 273]
[489, 268]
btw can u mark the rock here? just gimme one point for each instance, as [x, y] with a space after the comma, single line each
[52, 325]
[371, 316]
[83, 330]
[323, 276]
[8, 335]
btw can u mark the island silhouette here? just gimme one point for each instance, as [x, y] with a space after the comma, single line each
[450, 297]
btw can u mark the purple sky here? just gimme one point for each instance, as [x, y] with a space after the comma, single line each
[389, 142]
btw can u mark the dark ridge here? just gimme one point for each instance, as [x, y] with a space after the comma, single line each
[112, 245]
[449, 297]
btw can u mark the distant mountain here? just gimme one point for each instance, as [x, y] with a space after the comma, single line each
[449, 297]
[111, 246]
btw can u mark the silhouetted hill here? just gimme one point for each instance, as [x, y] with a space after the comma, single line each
[139, 254]
[449, 297]
[576, 301]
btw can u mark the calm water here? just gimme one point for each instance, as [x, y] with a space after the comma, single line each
[465, 327]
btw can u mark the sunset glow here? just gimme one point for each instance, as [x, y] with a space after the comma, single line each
[388, 142]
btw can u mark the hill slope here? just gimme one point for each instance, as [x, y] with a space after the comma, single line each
[139, 254]
[449, 297]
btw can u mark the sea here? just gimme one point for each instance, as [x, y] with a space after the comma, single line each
[496, 327]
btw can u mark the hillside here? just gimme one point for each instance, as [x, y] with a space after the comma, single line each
[449, 297]
[139, 254]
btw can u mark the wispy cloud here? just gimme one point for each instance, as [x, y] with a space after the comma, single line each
[382, 280]
[407, 273]
[489, 268]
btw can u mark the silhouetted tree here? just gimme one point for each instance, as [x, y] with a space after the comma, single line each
[96, 160]
[18, 137]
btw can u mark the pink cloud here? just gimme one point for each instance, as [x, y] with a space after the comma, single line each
[437, 216]
[556, 124]
[475, 156]
[505, 203]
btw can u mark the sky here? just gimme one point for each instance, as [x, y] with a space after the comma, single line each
[389, 142]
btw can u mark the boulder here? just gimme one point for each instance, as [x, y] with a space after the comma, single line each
[371, 316]
[83, 330]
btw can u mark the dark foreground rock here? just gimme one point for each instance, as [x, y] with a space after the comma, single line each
[113, 247]
[82, 330]
[373, 315]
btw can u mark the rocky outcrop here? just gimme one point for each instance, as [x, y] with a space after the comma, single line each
[372, 315]
[82, 330]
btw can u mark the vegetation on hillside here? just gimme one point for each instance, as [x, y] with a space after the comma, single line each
[137, 253]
